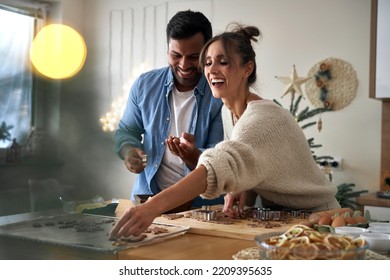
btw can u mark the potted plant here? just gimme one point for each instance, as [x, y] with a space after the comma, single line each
[346, 195]
[5, 135]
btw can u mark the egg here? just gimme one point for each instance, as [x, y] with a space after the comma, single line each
[360, 220]
[350, 220]
[314, 218]
[325, 220]
[338, 221]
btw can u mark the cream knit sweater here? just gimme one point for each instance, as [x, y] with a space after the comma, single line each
[268, 153]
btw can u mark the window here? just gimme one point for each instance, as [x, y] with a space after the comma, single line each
[16, 78]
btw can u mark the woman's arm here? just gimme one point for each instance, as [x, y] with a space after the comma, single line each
[137, 219]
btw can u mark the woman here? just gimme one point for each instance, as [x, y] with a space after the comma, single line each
[267, 152]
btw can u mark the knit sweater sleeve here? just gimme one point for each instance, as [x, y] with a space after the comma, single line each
[230, 167]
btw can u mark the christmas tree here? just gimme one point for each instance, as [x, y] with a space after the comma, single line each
[293, 86]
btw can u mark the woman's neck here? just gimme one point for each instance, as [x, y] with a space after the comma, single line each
[237, 106]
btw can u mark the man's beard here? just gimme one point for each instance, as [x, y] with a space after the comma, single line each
[187, 82]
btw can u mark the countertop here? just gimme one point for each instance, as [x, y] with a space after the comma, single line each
[371, 199]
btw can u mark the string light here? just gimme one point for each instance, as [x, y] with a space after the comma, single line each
[110, 119]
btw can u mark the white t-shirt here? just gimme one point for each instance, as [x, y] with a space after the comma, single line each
[172, 167]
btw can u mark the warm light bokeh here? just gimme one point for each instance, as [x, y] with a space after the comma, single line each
[58, 51]
[111, 119]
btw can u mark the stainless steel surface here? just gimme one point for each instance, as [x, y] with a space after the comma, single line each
[78, 231]
[145, 159]
[207, 215]
[267, 214]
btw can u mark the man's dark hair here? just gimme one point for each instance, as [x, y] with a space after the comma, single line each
[185, 24]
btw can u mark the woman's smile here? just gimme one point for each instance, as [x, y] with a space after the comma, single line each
[217, 82]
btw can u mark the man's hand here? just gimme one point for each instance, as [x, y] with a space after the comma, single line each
[133, 160]
[184, 147]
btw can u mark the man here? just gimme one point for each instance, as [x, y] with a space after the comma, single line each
[171, 115]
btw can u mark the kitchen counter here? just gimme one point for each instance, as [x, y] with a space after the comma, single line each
[372, 199]
[193, 245]
[187, 246]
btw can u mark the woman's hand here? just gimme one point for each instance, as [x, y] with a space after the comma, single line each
[134, 221]
[234, 204]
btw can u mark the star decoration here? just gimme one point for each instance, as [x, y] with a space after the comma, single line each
[293, 83]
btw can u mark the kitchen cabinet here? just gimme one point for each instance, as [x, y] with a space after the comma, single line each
[385, 145]
[380, 44]
[380, 76]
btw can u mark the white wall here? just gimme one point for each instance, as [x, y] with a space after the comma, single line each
[300, 32]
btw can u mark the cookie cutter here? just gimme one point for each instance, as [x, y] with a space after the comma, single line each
[144, 159]
[267, 214]
[204, 214]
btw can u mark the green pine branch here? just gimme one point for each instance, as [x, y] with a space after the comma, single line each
[294, 105]
[277, 102]
[5, 133]
[345, 195]
[324, 158]
[308, 124]
[306, 114]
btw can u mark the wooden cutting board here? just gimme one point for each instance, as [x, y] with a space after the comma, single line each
[238, 230]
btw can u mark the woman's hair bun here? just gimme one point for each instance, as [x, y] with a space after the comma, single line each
[250, 32]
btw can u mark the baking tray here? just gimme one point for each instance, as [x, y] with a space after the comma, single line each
[81, 231]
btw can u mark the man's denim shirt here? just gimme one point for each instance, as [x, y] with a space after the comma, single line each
[147, 118]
